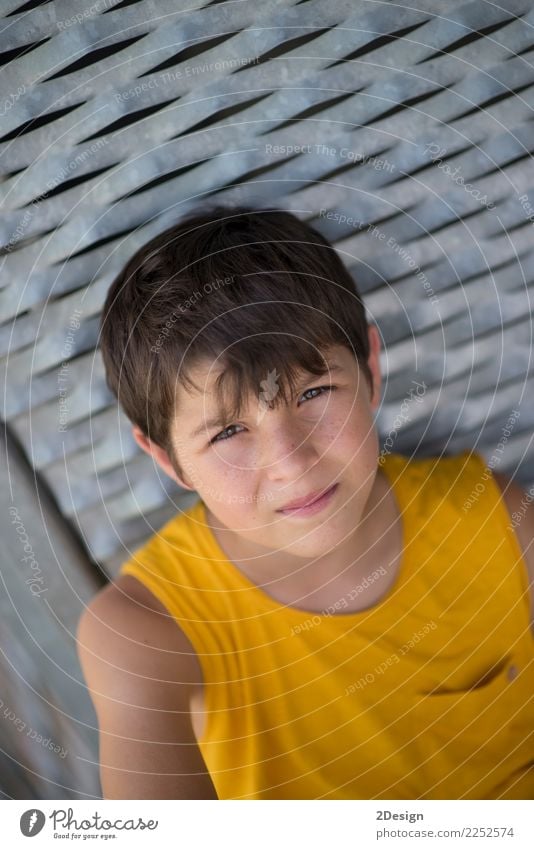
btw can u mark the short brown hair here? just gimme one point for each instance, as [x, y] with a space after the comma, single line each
[258, 288]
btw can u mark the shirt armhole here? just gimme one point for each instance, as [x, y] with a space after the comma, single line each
[158, 588]
[504, 518]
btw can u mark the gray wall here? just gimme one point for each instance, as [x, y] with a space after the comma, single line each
[402, 134]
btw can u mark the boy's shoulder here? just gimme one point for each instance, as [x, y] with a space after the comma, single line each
[124, 618]
[470, 487]
[468, 480]
[520, 505]
[422, 477]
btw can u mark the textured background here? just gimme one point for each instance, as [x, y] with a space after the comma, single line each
[116, 118]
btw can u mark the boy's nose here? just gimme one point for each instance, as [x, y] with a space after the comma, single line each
[287, 452]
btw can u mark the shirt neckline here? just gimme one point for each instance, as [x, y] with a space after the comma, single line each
[297, 612]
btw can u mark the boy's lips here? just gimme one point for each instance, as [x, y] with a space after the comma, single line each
[309, 500]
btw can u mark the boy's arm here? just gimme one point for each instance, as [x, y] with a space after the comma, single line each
[141, 670]
[521, 508]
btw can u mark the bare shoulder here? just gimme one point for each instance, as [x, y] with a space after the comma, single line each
[141, 672]
[125, 623]
[520, 505]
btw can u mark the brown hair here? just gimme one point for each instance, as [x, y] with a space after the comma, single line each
[257, 288]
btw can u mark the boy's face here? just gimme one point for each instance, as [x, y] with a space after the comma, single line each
[271, 457]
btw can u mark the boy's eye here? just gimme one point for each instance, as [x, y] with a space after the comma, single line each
[223, 434]
[317, 389]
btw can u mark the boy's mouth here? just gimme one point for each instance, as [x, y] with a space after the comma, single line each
[310, 504]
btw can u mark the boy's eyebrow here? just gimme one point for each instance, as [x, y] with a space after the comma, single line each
[219, 421]
[216, 421]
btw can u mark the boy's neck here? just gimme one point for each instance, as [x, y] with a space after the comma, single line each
[376, 542]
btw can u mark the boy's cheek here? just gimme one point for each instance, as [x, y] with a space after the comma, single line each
[357, 442]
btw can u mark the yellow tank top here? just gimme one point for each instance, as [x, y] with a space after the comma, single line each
[426, 695]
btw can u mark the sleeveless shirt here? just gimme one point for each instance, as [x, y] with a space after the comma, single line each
[428, 694]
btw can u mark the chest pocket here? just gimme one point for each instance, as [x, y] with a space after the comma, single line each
[467, 743]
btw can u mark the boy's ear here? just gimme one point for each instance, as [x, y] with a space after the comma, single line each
[373, 362]
[160, 456]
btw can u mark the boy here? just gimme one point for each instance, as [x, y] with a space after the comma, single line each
[327, 621]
